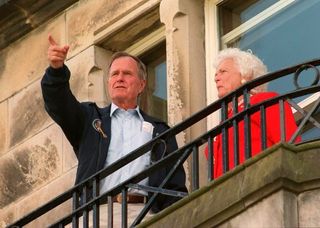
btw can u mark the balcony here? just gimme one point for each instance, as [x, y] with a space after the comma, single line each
[278, 187]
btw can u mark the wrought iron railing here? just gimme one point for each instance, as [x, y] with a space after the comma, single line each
[179, 156]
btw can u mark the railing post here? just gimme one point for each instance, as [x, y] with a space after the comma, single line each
[225, 144]
[247, 125]
[263, 127]
[110, 212]
[235, 131]
[85, 212]
[124, 208]
[210, 160]
[282, 121]
[75, 204]
[96, 206]
[195, 168]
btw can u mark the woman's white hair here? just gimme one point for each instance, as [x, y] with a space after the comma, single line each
[249, 65]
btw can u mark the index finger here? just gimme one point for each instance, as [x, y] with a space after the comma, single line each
[52, 41]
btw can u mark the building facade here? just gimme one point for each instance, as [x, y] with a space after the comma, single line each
[177, 39]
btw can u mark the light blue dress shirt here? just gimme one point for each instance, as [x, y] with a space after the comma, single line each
[128, 132]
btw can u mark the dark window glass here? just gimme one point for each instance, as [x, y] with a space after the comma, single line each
[154, 99]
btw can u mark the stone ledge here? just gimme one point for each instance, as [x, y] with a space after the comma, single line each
[282, 167]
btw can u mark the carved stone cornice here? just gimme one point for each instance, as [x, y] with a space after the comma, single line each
[19, 17]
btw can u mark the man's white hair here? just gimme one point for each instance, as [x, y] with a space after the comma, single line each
[249, 65]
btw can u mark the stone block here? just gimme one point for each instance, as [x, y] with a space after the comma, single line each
[7, 215]
[26, 114]
[271, 211]
[69, 158]
[83, 68]
[260, 172]
[207, 202]
[97, 77]
[88, 16]
[3, 127]
[80, 66]
[26, 59]
[43, 196]
[308, 168]
[224, 194]
[30, 165]
[309, 208]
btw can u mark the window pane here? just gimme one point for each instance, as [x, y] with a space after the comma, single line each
[233, 13]
[160, 90]
[286, 39]
[154, 99]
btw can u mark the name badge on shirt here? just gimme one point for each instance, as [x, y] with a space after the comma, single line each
[147, 127]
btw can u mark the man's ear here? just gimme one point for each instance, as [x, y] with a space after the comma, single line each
[142, 85]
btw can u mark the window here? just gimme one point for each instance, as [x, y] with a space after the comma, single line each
[151, 49]
[235, 13]
[281, 32]
[154, 98]
[141, 33]
[281, 35]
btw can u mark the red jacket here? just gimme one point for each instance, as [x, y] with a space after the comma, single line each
[272, 126]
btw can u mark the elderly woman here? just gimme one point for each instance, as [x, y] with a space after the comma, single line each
[234, 68]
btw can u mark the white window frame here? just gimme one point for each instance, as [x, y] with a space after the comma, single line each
[148, 42]
[212, 48]
[262, 16]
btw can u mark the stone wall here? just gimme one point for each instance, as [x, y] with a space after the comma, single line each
[36, 161]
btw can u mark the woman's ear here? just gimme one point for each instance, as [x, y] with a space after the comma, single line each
[243, 81]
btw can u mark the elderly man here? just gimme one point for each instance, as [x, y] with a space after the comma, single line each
[100, 136]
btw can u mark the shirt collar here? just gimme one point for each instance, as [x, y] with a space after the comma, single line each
[114, 107]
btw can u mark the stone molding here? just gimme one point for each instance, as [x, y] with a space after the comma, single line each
[20, 17]
[184, 30]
